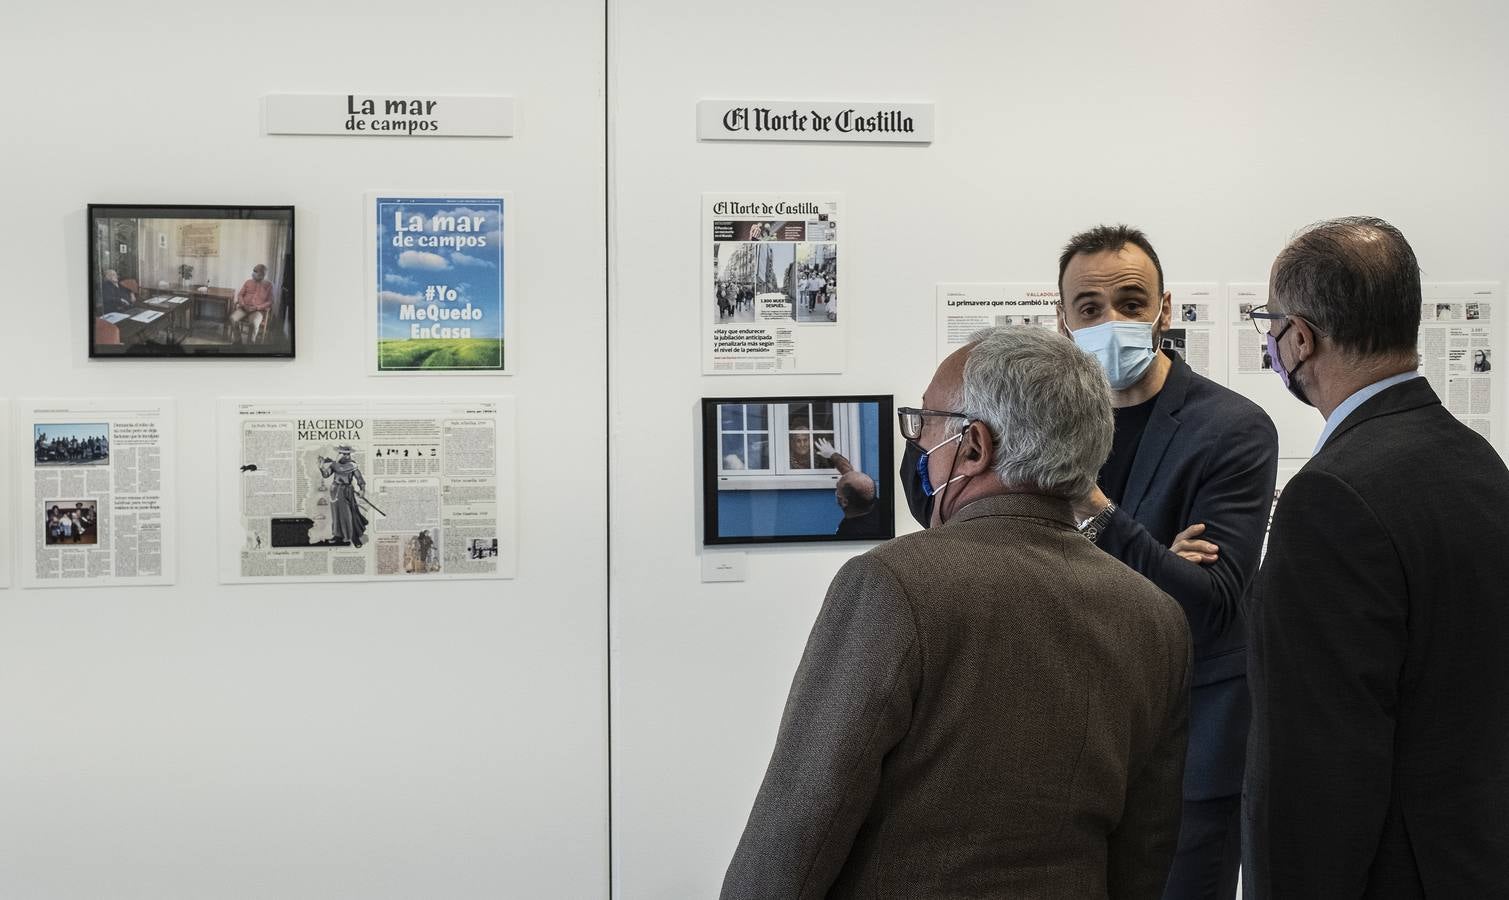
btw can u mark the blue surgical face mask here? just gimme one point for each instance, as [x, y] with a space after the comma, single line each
[926, 482]
[1123, 349]
[917, 484]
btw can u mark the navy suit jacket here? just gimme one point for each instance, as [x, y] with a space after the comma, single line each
[1379, 763]
[1207, 455]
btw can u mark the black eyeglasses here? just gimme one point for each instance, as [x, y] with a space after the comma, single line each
[1261, 314]
[910, 419]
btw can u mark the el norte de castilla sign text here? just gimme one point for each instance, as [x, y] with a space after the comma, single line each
[786, 120]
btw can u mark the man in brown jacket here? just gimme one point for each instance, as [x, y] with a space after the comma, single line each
[991, 707]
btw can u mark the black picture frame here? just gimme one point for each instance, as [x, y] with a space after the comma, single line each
[154, 267]
[718, 495]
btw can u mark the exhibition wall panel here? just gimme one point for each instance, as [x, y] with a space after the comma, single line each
[1219, 128]
[370, 739]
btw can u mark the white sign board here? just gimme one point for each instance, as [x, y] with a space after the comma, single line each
[383, 115]
[792, 120]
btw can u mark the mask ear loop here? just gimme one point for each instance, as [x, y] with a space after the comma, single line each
[951, 479]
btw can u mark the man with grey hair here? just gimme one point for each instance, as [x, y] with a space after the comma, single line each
[114, 296]
[1379, 756]
[991, 707]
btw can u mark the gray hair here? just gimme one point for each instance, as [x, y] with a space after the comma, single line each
[1047, 405]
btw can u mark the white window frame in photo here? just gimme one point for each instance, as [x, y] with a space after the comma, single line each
[846, 438]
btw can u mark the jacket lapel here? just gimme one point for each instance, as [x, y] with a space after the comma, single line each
[1161, 427]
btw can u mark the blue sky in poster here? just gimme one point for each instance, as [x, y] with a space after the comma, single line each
[456, 246]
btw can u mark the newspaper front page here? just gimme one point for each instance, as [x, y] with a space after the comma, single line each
[771, 285]
[97, 502]
[353, 489]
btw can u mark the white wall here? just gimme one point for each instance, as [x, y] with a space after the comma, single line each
[1219, 127]
[310, 741]
[368, 741]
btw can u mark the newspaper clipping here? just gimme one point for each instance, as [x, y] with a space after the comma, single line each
[356, 489]
[1458, 339]
[99, 506]
[771, 284]
[1194, 332]
[5, 480]
[963, 309]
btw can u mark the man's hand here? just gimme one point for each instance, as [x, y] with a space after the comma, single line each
[1092, 504]
[825, 448]
[1198, 552]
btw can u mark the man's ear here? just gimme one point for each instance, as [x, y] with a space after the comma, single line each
[1305, 339]
[1063, 326]
[1166, 313]
[976, 450]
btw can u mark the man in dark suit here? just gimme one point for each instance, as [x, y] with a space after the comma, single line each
[990, 707]
[1187, 452]
[1379, 760]
[114, 297]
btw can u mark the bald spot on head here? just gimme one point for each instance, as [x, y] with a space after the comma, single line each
[947, 386]
[855, 492]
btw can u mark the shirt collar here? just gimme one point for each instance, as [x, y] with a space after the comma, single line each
[1039, 506]
[1349, 405]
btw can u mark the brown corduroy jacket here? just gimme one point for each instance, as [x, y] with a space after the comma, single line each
[991, 708]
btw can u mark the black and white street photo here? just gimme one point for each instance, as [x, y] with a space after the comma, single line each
[817, 282]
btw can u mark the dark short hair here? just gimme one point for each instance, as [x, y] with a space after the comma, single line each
[1356, 280]
[1103, 238]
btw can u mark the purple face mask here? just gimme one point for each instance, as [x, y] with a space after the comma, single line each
[1285, 374]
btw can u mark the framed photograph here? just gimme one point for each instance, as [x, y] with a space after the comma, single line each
[190, 281]
[797, 469]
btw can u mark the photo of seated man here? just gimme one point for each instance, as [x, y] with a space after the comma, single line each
[113, 296]
[185, 281]
[252, 303]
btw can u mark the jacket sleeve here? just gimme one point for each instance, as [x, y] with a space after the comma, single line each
[1233, 499]
[1328, 636]
[1141, 849]
[850, 703]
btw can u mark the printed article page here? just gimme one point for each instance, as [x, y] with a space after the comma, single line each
[963, 309]
[5, 488]
[97, 506]
[771, 284]
[1459, 336]
[1196, 328]
[352, 489]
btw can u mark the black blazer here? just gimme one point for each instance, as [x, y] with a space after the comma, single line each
[1379, 760]
[1207, 455]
